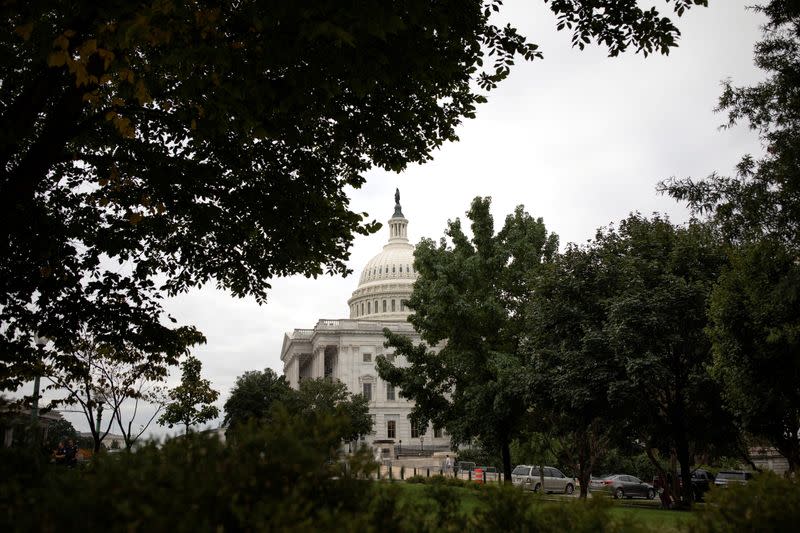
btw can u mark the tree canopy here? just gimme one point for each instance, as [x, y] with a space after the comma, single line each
[755, 306]
[469, 301]
[656, 325]
[151, 147]
[573, 363]
[253, 396]
[191, 402]
[323, 398]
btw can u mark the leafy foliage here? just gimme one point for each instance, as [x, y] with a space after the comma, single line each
[755, 313]
[326, 397]
[573, 360]
[472, 294]
[277, 478]
[762, 199]
[150, 147]
[755, 305]
[191, 401]
[767, 503]
[57, 431]
[253, 395]
[103, 379]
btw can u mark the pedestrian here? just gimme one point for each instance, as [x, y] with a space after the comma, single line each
[448, 466]
[59, 453]
[70, 453]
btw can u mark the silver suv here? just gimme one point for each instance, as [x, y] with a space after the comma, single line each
[529, 477]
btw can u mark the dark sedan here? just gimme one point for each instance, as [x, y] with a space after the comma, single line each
[623, 486]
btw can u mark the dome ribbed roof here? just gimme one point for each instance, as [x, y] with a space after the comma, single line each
[387, 279]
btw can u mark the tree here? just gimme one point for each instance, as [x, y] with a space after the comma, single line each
[754, 327]
[469, 298]
[102, 380]
[197, 141]
[253, 395]
[656, 326]
[573, 362]
[324, 398]
[191, 400]
[755, 312]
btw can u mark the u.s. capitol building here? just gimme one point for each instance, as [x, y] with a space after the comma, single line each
[346, 349]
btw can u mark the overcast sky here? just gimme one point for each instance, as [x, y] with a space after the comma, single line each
[578, 138]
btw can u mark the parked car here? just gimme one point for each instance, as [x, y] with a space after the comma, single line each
[529, 477]
[701, 483]
[732, 477]
[623, 486]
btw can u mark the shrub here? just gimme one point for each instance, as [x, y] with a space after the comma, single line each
[509, 509]
[767, 503]
[279, 478]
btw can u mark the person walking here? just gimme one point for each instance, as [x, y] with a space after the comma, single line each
[448, 466]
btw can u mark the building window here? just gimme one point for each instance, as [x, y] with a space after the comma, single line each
[402, 305]
[391, 429]
[374, 423]
[390, 392]
[367, 390]
[437, 433]
[362, 308]
[368, 308]
[367, 357]
[384, 306]
[414, 430]
[393, 271]
[392, 305]
[376, 306]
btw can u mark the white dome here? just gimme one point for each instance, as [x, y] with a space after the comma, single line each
[387, 279]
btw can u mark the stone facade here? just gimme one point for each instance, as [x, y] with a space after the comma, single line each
[346, 349]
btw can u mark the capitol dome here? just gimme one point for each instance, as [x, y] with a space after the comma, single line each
[388, 278]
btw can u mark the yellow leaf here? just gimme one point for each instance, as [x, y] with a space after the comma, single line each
[89, 47]
[57, 59]
[61, 42]
[124, 127]
[24, 31]
[141, 93]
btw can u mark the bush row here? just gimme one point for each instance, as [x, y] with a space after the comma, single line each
[288, 478]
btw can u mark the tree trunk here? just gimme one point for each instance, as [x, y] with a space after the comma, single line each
[682, 451]
[585, 464]
[505, 449]
[96, 433]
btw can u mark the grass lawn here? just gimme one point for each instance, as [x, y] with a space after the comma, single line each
[468, 498]
[654, 519]
[649, 517]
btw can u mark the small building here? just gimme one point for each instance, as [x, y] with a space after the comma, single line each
[15, 421]
[769, 458]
